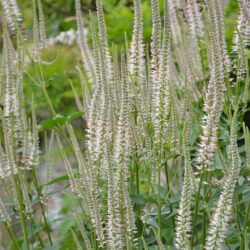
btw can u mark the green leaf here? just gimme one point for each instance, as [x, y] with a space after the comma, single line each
[58, 179]
[58, 121]
[53, 123]
[74, 115]
[34, 230]
[66, 226]
[150, 221]
[137, 199]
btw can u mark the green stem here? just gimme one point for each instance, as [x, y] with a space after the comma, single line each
[23, 226]
[40, 240]
[197, 202]
[52, 109]
[168, 191]
[45, 92]
[159, 201]
[244, 229]
[137, 177]
[137, 182]
[42, 208]
[20, 211]
[12, 236]
[204, 219]
[94, 241]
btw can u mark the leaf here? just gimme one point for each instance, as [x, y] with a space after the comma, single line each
[58, 179]
[59, 120]
[53, 123]
[137, 199]
[66, 226]
[34, 230]
[150, 221]
[74, 115]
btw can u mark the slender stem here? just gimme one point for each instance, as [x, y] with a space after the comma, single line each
[40, 240]
[204, 219]
[137, 180]
[159, 201]
[168, 190]
[43, 209]
[197, 202]
[239, 225]
[137, 177]
[94, 241]
[138, 207]
[240, 229]
[244, 229]
[20, 211]
[52, 109]
[37, 235]
[24, 230]
[45, 92]
[12, 236]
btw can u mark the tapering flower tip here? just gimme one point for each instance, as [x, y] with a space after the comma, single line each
[136, 60]
[242, 31]
[12, 14]
[101, 21]
[82, 41]
[104, 51]
[194, 18]
[42, 30]
[173, 20]
[39, 31]
[155, 40]
[30, 143]
[162, 95]
[215, 15]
